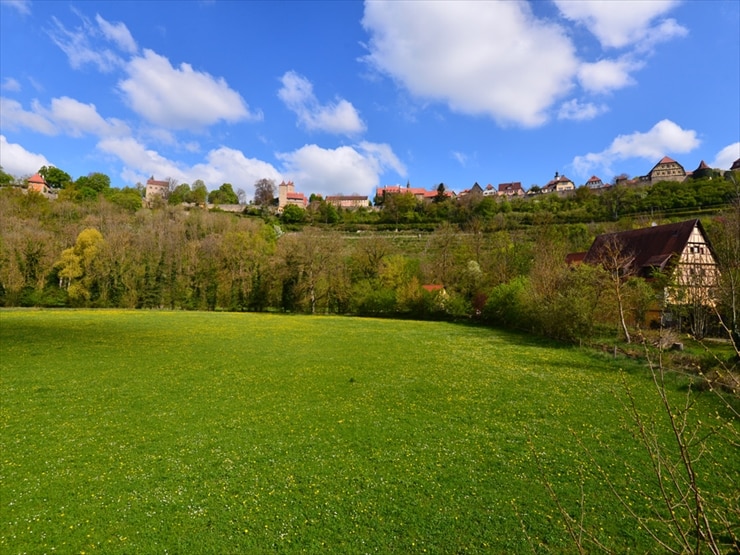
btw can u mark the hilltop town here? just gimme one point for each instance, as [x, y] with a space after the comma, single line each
[287, 194]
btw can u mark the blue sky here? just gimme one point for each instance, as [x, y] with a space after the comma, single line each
[342, 96]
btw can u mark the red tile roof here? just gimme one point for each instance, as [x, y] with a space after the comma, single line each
[432, 287]
[513, 186]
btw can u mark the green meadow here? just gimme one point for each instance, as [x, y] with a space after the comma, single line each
[189, 432]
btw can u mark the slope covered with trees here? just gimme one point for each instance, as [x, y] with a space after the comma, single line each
[104, 253]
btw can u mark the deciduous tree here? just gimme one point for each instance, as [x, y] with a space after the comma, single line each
[76, 267]
[264, 192]
[54, 177]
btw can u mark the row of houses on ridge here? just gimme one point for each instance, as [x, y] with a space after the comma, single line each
[667, 169]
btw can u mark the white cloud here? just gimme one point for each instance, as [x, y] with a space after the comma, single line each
[578, 111]
[461, 158]
[179, 98]
[82, 46]
[338, 117]
[489, 58]
[140, 161]
[726, 156]
[117, 33]
[78, 119]
[11, 85]
[222, 165]
[607, 75]
[23, 6]
[13, 116]
[66, 115]
[617, 24]
[342, 170]
[663, 138]
[227, 165]
[19, 162]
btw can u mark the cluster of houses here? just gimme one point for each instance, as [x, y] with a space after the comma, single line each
[666, 169]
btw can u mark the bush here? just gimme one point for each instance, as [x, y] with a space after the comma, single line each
[506, 304]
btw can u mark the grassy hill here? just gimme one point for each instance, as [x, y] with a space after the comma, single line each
[192, 432]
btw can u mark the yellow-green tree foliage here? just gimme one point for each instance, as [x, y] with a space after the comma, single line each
[76, 267]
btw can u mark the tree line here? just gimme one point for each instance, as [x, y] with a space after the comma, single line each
[99, 254]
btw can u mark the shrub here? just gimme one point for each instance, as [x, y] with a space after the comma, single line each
[506, 304]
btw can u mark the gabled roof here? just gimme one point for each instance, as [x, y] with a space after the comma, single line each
[513, 186]
[663, 161]
[154, 182]
[37, 178]
[652, 247]
[398, 189]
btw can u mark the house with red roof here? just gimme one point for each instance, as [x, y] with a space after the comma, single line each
[38, 184]
[667, 170]
[348, 202]
[513, 189]
[475, 191]
[559, 184]
[425, 195]
[702, 172]
[155, 188]
[595, 183]
[288, 195]
[489, 191]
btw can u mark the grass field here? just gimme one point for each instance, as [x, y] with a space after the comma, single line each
[175, 432]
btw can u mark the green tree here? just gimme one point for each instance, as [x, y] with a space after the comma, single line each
[293, 214]
[98, 182]
[223, 195]
[399, 207]
[5, 178]
[441, 195]
[328, 213]
[54, 177]
[199, 192]
[313, 273]
[180, 194]
[128, 198]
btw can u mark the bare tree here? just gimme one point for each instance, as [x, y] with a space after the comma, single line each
[618, 264]
[264, 192]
